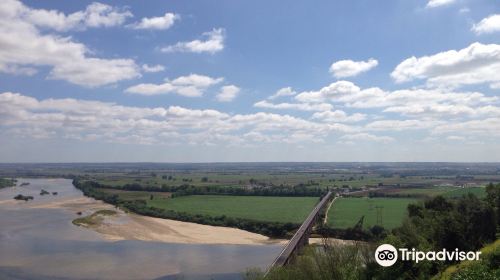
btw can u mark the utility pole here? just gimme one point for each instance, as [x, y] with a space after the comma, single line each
[379, 214]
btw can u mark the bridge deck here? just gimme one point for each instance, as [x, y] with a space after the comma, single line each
[297, 238]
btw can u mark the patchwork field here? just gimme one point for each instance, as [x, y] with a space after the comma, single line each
[346, 212]
[235, 179]
[261, 208]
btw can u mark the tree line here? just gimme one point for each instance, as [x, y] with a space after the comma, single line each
[467, 223]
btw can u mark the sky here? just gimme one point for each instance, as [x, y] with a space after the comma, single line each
[240, 81]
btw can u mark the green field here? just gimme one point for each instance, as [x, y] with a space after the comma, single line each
[345, 212]
[261, 208]
[477, 191]
[430, 191]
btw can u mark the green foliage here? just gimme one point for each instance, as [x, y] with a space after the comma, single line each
[477, 191]
[330, 261]
[493, 199]
[187, 189]
[488, 267]
[93, 219]
[23, 197]
[4, 183]
[466, 223]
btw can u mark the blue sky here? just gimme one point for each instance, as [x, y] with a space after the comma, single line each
[178, 81]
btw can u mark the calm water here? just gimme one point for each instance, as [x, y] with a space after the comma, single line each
[43, 244]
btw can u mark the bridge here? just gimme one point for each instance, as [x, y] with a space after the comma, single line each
[301, 237]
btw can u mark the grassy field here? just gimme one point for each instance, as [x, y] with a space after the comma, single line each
[446, 191]
[431, 191]
[477, 191]
[346, 212]
[261, 208]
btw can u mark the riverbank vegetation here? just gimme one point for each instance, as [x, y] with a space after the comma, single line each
[6, 182]
[250, 219]
[23, 197]
[94, 219]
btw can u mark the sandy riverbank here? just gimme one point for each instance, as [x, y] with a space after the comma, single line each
[127, 226]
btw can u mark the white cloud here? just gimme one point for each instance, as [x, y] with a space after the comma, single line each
[19, 70]
[400, 125]
[489, 127]
[227, 93]
[214, 43]
[408, 102]
[475, 64]
[152, 68]
[192, 85]
[294, 106]
[350, 68]
[338, 116]
[329, 92]
[487, 25]
[196, 80]
[24, 47]
[455, 138]
[367, 137]
[439, 3]
[88, 120]
[95, 15]
[159, 23]
[286, 91]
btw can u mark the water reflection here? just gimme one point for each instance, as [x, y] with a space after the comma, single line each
[38, 243]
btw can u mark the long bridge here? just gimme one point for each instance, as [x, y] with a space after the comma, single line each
[301, 237]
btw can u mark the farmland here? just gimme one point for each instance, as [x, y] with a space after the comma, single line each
[269, 209]
[345, 212]
[281, 178]
[477, 191]
[263, 195]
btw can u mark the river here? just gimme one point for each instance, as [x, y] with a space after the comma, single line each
[41, 243]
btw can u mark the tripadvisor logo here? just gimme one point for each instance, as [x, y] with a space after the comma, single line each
[387, 255]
